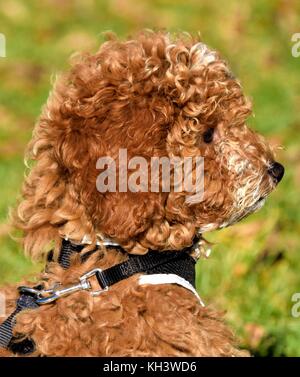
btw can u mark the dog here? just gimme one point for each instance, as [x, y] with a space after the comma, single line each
[119, 280]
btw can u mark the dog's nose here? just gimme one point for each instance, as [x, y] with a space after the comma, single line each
[276, 171]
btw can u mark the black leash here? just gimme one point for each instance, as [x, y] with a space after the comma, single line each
[154, 262]
[175, 262]
[25, 301]
[178, 263]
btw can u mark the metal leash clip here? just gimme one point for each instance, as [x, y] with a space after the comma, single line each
[46, 296]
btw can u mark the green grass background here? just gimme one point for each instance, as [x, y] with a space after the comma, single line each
[255, 266]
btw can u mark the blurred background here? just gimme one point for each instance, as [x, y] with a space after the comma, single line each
[254, 268]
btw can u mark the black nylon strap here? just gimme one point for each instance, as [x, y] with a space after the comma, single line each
[67, 250]
[23, 347]
[25, 301]
[176, 262]
[179, 263]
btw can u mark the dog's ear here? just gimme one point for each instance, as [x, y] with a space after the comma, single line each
[127, 215]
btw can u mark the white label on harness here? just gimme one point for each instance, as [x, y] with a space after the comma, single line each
[156, 279]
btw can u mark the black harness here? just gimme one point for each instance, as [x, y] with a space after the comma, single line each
[180, 263]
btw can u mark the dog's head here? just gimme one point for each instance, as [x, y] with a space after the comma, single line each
[148, 97]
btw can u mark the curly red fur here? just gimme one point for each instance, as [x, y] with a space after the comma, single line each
[153, 96]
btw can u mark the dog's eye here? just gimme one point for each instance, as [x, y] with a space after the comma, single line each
[208, 135]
